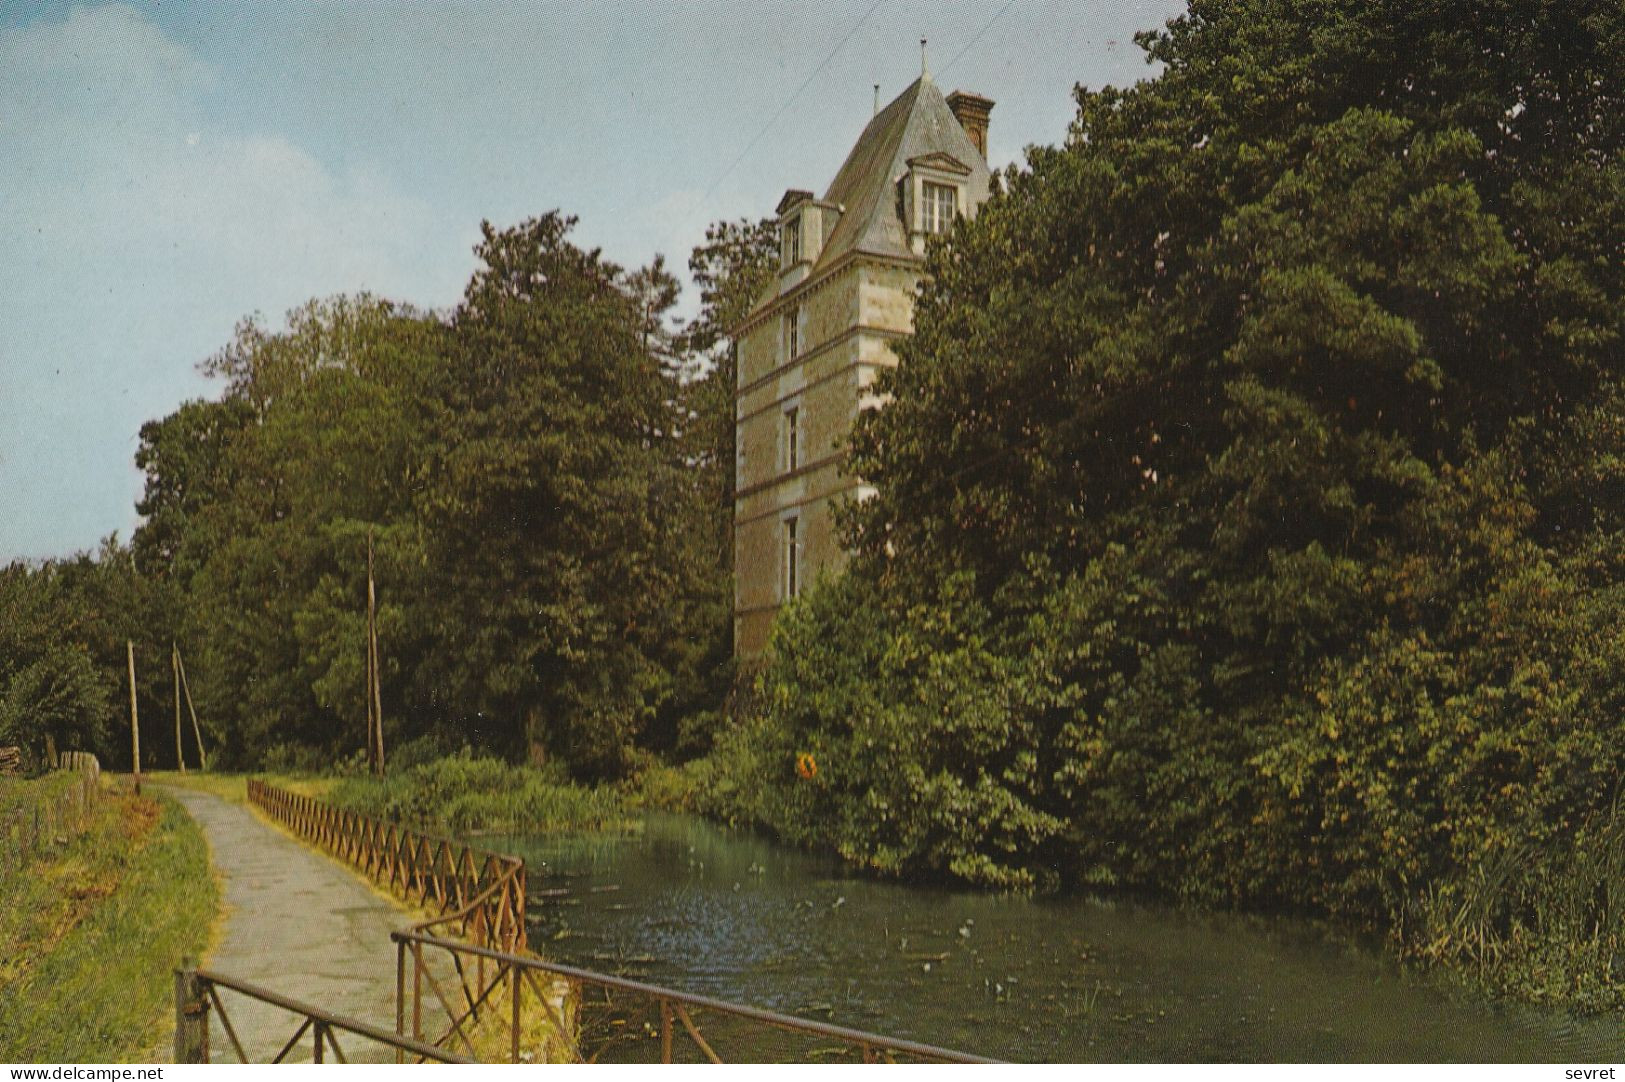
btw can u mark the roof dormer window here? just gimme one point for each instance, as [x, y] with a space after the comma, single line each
[931, 195]
[790, 241]
[939, 207]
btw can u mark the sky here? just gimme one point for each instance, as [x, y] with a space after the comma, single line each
[169, 169]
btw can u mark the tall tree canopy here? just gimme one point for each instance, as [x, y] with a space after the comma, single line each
[49, 686]
[560, 506]
[523, 466]
[1251, 495]
[257, 511]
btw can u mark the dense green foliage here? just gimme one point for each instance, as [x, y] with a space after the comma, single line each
[1251, 505]
[119, 908]
[546, 476]
[549, 578]
[464, 793]
[63, 628]
[48, 683]
[737, 262]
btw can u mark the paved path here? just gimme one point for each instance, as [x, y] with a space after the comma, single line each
[298, 923]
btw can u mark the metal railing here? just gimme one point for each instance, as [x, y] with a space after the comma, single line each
[197, 995]
[568, 996]
[479, 895]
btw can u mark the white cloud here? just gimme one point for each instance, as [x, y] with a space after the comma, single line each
[134, 238]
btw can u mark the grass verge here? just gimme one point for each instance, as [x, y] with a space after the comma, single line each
[91, 932]
[233, 788]
[467, 794]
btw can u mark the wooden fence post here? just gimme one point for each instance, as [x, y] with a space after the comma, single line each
[191, 1016]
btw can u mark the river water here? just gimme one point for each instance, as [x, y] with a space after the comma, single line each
[729, 914]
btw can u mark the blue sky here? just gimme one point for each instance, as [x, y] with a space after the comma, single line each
[168, 169]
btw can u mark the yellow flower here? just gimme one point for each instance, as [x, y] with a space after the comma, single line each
[806, 766]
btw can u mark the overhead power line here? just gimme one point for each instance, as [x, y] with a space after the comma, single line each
[791, 99]
[985, 28]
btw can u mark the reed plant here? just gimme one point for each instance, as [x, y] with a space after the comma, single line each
[463, 794]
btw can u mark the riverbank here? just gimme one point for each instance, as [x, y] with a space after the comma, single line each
[93, 929]
[472, 795]
[1048, 978]
[1555, 951]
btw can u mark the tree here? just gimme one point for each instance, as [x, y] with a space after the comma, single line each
[185, 457]
[257, 509]
[546, 563]
[732, 269]
[49, 687]
[560, 509]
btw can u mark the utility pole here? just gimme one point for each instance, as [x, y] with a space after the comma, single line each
[175, 671]
[366, 691]
[135, 720]
[375, 704]
[180, 666]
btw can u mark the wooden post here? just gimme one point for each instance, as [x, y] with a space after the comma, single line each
[513, 1021]
[417, 991]
[135, 720]
[191, 1017]
[366, 691]
[202, 756]
[375, 703]
[175, 671]
[400, 996]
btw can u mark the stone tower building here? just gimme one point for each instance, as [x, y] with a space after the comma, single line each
[808, 353]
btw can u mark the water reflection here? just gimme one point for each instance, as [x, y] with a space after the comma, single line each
[729, 914]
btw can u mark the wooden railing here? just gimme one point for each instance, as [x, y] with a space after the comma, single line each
[33, 813]
[475, 895]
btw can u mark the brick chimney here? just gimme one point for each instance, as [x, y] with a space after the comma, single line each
[971, 110]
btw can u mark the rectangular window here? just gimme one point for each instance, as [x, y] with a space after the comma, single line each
[790, 241]
[792, 557]
[941, 204]
[792, 438]
[792, 334]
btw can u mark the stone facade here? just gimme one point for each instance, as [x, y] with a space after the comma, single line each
[809, 351]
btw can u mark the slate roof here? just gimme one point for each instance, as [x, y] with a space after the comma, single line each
[917, 123]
